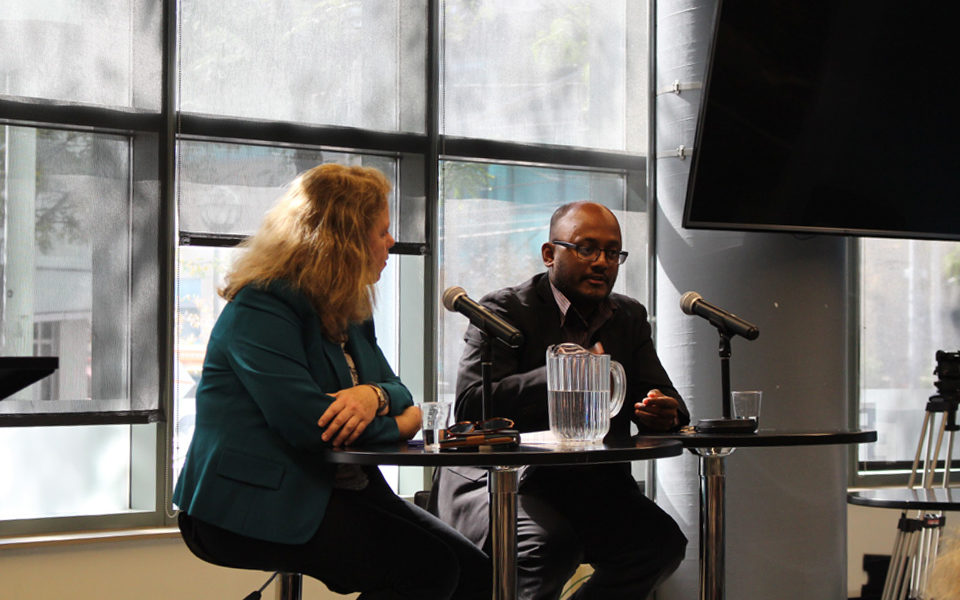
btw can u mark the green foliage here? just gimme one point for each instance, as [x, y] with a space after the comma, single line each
[58, 211]
[564, 41]
[58, 214]
[59, 221]
[951, 266]
[466, 180]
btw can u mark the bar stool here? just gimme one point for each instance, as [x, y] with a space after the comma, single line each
[291, 584]
[291, 587]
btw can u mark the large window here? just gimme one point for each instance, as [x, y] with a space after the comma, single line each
[546, 71]
[141, 141]
[357, 63]
[76, 278]
[909, 309]
[97, 53]
[66, 248]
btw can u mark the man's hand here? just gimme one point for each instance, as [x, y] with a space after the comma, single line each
[409, 421]
[657, 412]
[349, 414]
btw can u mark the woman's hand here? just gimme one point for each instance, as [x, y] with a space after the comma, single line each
[408, 422]
[349, 414]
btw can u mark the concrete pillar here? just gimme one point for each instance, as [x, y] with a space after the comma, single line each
[785, 507]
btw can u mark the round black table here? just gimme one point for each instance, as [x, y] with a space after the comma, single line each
[908, 498]
[713, 448]
[917, 539]
[504, 466]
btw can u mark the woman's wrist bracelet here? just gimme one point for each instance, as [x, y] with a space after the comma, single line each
[382, 400]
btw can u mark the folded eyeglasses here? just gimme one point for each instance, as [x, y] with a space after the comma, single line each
[492, 425]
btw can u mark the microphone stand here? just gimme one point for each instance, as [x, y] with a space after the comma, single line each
[725, 373]
[486, 372]
[727, 424]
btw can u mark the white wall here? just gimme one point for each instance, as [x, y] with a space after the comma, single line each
[155, 568]
[869, 531]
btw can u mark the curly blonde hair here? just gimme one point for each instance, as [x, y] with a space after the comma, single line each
[944, 583]
[315, 239]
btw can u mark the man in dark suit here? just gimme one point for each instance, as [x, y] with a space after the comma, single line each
[570, 515]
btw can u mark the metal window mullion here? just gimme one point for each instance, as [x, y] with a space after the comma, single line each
[851, 316]
[212, 128]
[651, 162]
[653, 207]
[484, 150]
[77, 117]
[431, 165]
[167, 252]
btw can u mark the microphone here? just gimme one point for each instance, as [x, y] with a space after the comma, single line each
[693, 304]
[455, 300]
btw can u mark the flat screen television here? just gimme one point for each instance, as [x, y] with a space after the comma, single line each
[829, 116]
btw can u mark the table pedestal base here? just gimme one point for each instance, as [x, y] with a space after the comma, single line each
[502, 485]
[712, 492]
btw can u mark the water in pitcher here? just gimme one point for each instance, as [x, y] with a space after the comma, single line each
[579, 416]
[580, 397]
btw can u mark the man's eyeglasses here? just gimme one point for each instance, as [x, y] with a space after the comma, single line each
[489, 426]
[591, 253]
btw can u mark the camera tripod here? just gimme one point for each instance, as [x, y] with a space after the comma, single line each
[918, 534]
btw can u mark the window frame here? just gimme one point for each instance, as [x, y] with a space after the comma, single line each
[860, 473]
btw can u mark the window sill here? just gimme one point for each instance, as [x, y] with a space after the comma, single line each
[88, 537]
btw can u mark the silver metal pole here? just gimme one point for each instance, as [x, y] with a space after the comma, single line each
[291, 586]
[503, 530]
[712, 494]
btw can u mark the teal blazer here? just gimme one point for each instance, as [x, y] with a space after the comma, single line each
[253, 466]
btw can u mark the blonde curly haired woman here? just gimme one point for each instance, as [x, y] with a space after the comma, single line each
[293, 367]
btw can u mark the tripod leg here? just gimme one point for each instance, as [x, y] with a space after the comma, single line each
[908, 558]
[900, 561]
[932, 526]
[922, 557]
[928, 464]
[936, 455]
[911, 558]
[947, 465]
[916, 457]
[895, 566]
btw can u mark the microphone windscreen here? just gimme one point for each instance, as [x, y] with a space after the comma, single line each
[450, 296]
[688, 300]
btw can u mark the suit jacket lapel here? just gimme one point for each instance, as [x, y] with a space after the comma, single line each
[549, 317]
[338, 362]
